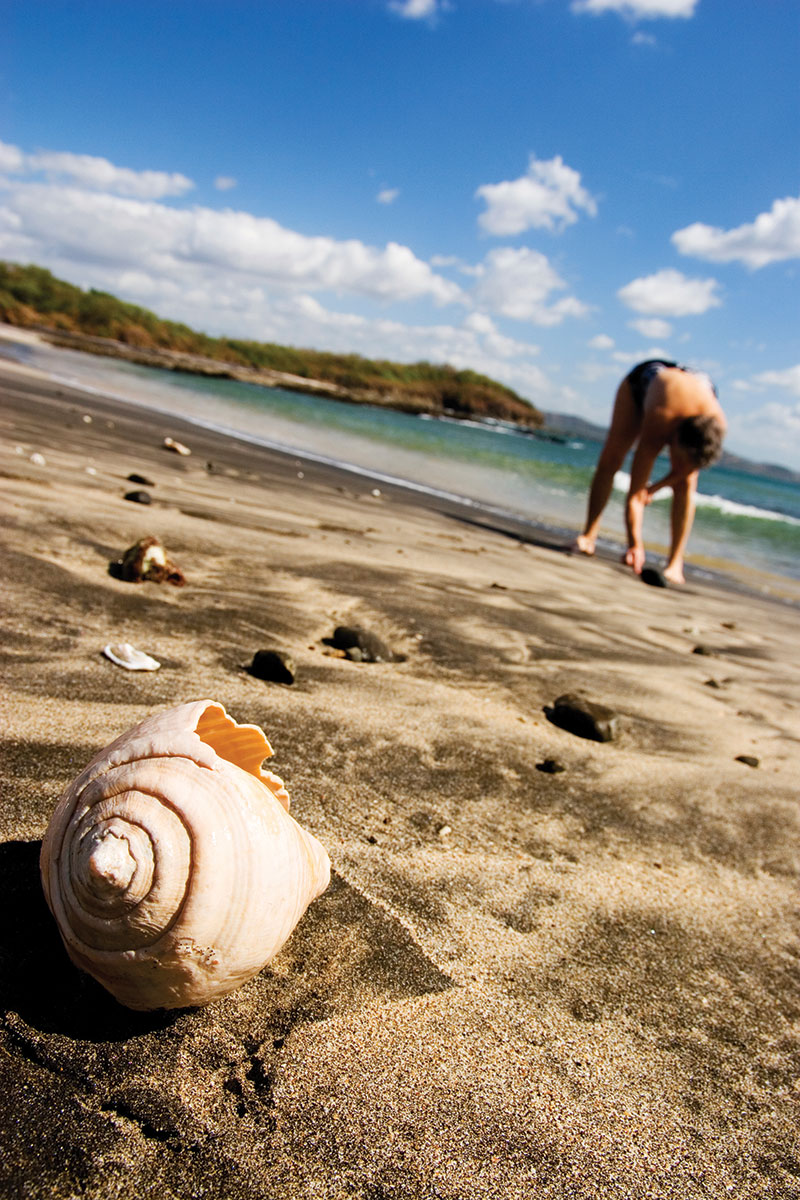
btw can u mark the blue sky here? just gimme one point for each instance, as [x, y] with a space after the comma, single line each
[547, 191]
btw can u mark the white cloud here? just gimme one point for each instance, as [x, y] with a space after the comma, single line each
[475, 344]
[549, 196]
[772, 237]
[11, 158]
[789, 379]
[601, 342]
[669, 293]
[47, 222]
[480, 323]
[98, 174]
[387, 195]
[415, 10]
[652, 327]
[770, 433]
[638, 9]
[224, 183]
[517, 284]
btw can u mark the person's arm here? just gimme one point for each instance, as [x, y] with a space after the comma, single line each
[638, 498]
[674, 476]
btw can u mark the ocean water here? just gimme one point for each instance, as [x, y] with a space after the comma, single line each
[745, 524]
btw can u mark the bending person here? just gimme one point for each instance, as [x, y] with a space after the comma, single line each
[659, 404]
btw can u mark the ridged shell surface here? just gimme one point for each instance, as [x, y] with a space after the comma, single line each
[171, 864]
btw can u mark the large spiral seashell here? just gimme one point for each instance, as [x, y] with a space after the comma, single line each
[171, 864]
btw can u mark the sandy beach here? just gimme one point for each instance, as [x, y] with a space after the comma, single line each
[522, 982]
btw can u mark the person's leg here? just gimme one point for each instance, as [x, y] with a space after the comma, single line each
[682, 516]
[626, 422]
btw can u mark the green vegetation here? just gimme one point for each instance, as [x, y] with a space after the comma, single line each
[31, 297]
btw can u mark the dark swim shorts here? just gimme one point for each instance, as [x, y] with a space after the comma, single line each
[640, 378]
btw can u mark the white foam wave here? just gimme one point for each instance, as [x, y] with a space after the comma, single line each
[731, 508]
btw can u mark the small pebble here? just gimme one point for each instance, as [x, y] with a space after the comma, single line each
[445, 832]
[273, 666]
[749, 760]
[370, 647]
[139, 497]
[654, 577]
[585, 718]
[38, 459]
[550, 766]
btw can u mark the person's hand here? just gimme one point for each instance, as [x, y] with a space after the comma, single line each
[634, 557]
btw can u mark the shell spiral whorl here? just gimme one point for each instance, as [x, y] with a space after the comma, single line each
[171, 864]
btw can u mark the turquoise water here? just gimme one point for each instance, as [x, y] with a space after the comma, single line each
[747, 520]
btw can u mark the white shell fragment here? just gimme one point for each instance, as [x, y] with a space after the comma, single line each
[176, 447]
[127, 656]
[171, 864]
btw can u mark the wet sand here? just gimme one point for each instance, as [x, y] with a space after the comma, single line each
[588, 987]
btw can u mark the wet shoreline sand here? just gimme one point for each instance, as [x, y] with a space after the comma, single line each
[587, 988]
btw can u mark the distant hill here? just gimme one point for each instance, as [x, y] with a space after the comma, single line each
[32, 298]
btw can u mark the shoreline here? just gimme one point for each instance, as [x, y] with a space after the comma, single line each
[546, 967]
[721, 573]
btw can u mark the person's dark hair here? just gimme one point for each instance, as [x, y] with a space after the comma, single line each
[701, 438]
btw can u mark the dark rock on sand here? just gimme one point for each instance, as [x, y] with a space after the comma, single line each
[370, 647]
[273, 666]
[704, 650]
[550, 766]
[147, 560]
[749, 760]
[583, 717]
[134, 478]
[654, 577]
[139, 497]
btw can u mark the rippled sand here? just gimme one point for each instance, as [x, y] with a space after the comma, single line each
[519, 984]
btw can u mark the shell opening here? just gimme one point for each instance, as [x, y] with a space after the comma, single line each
[243, 745]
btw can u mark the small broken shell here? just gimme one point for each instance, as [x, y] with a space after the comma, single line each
[127, 656]
[171, 864]
[147, 560]
[176, 447]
